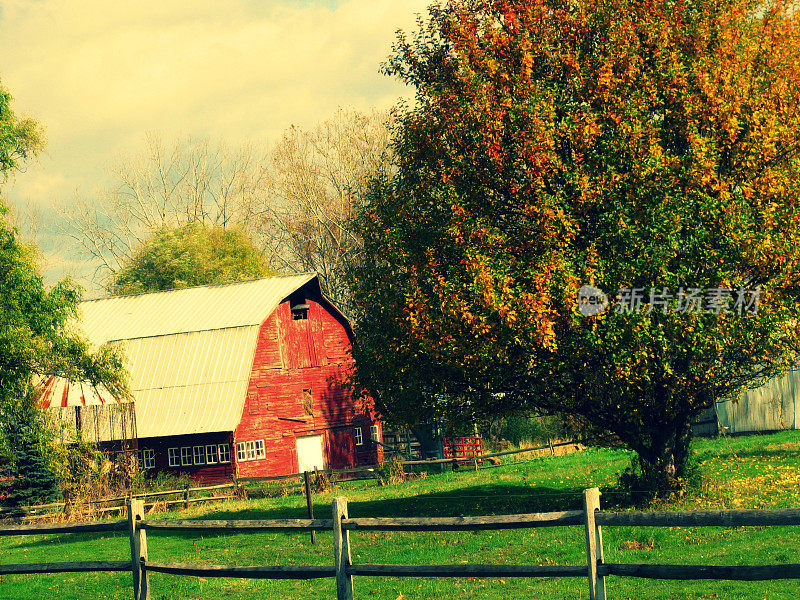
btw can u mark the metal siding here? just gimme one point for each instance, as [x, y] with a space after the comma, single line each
[190, 382]
[181, 311]
[770, 407]
[212, 409]
[54, 390]
[186, 347]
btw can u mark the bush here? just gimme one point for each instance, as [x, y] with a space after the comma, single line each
[321, 483]
[391, 471]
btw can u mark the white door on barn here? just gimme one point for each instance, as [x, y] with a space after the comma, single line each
[309, 453]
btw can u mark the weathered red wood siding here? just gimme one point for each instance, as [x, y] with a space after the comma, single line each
[295, 358]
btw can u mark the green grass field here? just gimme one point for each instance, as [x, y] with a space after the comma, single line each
[746, 472]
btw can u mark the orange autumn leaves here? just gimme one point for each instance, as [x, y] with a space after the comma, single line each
[498, 104]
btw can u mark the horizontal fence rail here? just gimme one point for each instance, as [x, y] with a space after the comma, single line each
[376, 570]
[87, 527]
[702, 518]
[591, 518]
[66, 567]
[119, 503]
[690, 572]
[237, 526]
[551, 519]
[266, 572]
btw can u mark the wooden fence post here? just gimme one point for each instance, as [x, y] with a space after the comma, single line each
[186, 497]
[341, 550]
[594, 545]
[309, 505]
[138, 539]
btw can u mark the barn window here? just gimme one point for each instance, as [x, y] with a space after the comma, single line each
[375, 433]
[251, 450]
[224, 453]
[211, 454]
[359, 437]
[186, 456]
[241, 453]
[174, 457]
[199, 455]
[298, 306]
[148, 458]
[308, 402]
[260, 449]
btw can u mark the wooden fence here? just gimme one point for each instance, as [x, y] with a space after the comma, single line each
[181, 498]
[551, 446]
[186, 496]
[595, 570]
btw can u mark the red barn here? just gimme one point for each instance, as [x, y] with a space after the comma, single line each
[243, 378]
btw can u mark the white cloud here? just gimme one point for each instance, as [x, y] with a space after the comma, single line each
[97, 68]
[100, 74]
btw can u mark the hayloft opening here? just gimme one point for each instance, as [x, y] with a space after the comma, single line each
[298, 306]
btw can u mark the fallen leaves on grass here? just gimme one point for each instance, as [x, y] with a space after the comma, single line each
[637, 545]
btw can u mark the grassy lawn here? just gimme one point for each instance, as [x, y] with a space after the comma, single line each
[747, 472]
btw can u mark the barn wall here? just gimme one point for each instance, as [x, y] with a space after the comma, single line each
[295, 390]
[772, 407]
[706, 423]
[204, 474]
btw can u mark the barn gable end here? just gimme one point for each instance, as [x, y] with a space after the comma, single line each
[296, 392]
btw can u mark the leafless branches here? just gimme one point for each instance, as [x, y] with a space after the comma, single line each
[296, 201]
[320, 176]
[191, 181]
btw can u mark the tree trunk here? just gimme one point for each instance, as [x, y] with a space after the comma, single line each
[683, 439]
[664, 460]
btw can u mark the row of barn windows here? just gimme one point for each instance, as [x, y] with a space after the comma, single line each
[250, 450]
[187, 456]
[374, 435]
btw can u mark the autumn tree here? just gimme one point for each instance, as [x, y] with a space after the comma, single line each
[193, 254]
[37, 337]
[647, 147]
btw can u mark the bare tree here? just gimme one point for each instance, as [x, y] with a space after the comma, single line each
[319, 178]
[192, 181]
[296, 202]
[27, 218]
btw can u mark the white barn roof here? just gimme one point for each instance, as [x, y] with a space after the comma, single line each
[189, 352]
[203, 308]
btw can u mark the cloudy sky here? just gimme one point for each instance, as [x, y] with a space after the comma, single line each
[99, 75]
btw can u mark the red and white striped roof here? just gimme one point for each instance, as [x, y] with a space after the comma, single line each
[57, 392]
